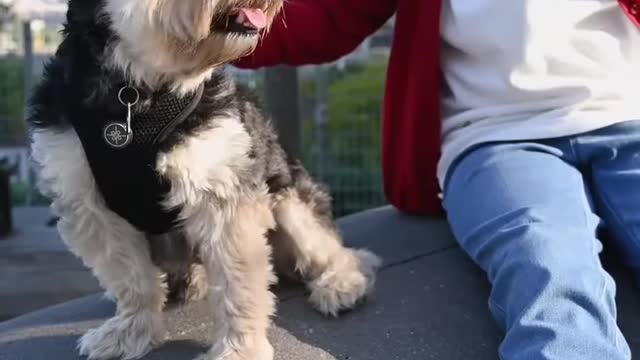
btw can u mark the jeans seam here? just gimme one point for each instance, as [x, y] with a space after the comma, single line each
[497, 307]
[603, 291]
[574, 152]
[603, 304]
[587, 211]
[631, 235]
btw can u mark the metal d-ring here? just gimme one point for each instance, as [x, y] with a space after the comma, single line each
[128, 104]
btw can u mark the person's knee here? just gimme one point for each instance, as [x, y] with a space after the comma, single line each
[542, 263]
[538, 246]
[531, 234]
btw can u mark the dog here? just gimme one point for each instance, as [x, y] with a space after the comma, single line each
[170, 184]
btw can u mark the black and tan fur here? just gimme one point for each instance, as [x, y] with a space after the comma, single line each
[244, 204]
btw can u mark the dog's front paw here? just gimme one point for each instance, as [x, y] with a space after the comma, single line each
[260, 350]
[345, 282]
[123, 337]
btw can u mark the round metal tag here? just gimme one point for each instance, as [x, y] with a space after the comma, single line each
[117, 136]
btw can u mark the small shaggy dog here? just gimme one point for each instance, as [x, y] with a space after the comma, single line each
[170, 184]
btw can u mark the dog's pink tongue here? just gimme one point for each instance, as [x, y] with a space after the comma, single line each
[255, 17]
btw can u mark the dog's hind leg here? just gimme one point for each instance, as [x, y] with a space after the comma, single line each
[186, 279]
[308, 240]
[117, 253]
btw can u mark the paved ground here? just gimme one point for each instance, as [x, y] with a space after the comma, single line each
[36, 270]
[430, 303]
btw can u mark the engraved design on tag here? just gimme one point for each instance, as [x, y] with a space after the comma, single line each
[116, 134]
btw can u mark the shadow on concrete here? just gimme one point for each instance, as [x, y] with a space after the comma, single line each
[72, 312]
[180, 349]
[46, 345]
[66, 344]
[36, 269]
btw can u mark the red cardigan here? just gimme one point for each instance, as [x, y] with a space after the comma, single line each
[319, 31]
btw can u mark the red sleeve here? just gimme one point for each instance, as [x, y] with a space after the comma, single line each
[318, 31]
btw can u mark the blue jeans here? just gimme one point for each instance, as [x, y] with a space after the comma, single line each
[528, 213]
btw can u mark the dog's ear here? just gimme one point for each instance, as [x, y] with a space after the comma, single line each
[81, 12]
[86, 24]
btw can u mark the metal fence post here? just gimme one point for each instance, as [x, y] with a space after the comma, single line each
[282, 101]
[322, 95]
[6, 223]
[27, 42]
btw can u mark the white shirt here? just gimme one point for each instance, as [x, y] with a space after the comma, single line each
[532, 69]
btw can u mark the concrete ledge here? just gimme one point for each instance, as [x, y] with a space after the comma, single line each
[430, 303]
[31, 260]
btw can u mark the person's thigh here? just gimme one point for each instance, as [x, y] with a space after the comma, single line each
[616, 188]
[522, 214]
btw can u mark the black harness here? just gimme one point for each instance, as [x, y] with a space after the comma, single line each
[122, 142]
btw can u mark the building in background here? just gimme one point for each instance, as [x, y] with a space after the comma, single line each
[46, 17]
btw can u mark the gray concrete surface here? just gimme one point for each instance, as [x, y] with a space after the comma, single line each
[36, 270]
[430, 303]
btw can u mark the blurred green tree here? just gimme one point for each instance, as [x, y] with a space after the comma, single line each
[12, 91]
[12, 97]
[353, 131]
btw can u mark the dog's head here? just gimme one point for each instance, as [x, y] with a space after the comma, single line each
[171, 39]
